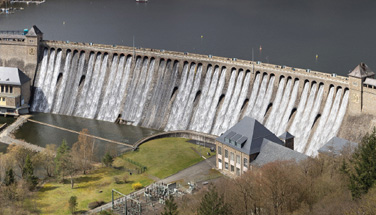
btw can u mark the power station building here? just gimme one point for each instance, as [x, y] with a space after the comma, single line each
[250, 143]
[14, 91]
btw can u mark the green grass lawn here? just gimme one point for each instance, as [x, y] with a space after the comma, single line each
[162, 157]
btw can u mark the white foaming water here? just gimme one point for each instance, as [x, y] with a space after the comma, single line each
[145, 93]
[304, 121]
[321, 126]
[39, 83]
[271, 119]
[82, 97]
[108, 90]
[260, 97]
[208, 123]
[223, 110]
[236, 113]
[312, 116]
[137, 95]
[260, 117]
[98, 89]
[74, 87]
[47, 82]
[290, 106]
[179, 96]
[50, 94]
[332, 118]
[60, 93]
[130, 92]
[303, 99]
[231, 107]
[197, 116]
[112, 115]
[253, 97]
[189, 107]
[282, 107]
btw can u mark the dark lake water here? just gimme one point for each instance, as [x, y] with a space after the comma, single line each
[292, 32]
[42, 135]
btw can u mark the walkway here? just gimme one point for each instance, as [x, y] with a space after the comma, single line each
[6, 135]
[76, 132]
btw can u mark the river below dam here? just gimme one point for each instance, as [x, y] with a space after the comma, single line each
[328, 36]
[42, 135]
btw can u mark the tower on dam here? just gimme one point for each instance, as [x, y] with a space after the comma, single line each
[362, 90]
[21, 49]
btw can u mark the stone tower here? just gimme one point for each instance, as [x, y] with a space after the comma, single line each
[356, 80]
[21, 49]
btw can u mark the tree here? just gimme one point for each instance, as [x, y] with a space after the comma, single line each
[28, 173]
[107, 159]
[63, 163]
[45, 159]
[9, 177]
[83, 151]
[18, 154]
[73, 204]
[213, 204]
[362, 166]
[170, 208]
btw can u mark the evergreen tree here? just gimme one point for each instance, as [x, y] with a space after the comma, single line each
[62, 159]
[170, 208]
[73, 204]
[362, 168]
[28, 173]
[107, 159]
[9, 177]
[213, 204]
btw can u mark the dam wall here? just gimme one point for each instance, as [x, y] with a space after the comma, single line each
[182, 91]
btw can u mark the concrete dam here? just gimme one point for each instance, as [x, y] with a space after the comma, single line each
[182, 91]
[170, 91]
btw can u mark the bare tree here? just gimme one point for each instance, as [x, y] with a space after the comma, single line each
[83, 151]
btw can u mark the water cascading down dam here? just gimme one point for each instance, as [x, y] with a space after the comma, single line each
[180, 91]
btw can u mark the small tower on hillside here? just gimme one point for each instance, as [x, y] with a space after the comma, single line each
[356, 80]
[288, 139]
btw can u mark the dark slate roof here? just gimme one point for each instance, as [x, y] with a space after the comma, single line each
[34, 31]
[335, 146]
[361, 71]
[271, 152]
[254, 133]
[12, 76]
[286, 136]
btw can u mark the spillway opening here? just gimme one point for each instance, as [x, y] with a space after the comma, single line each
[270, 105]
[292, 113]
[82, 80]
[173, 92]
[198, 94]
[59, 78]
[220, 99]
[316, 118]
[245, 103]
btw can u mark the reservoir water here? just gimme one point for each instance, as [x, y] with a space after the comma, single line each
[340, 32]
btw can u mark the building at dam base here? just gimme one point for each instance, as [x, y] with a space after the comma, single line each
[181, 91]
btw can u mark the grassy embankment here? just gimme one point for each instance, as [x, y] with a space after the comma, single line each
[162, 157]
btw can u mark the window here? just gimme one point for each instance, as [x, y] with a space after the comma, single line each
[3, 99]
[219, 150]
[232, 168]
[11, 89]
[226, 165]
[238, 159]
[237, 171]
[245, 162]
[219, 160]
[226, 153]
[2, 88]
[232, 156]
[6, 89]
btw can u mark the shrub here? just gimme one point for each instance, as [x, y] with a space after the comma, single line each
[137, 186]
[117, 180]
[95, 204]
